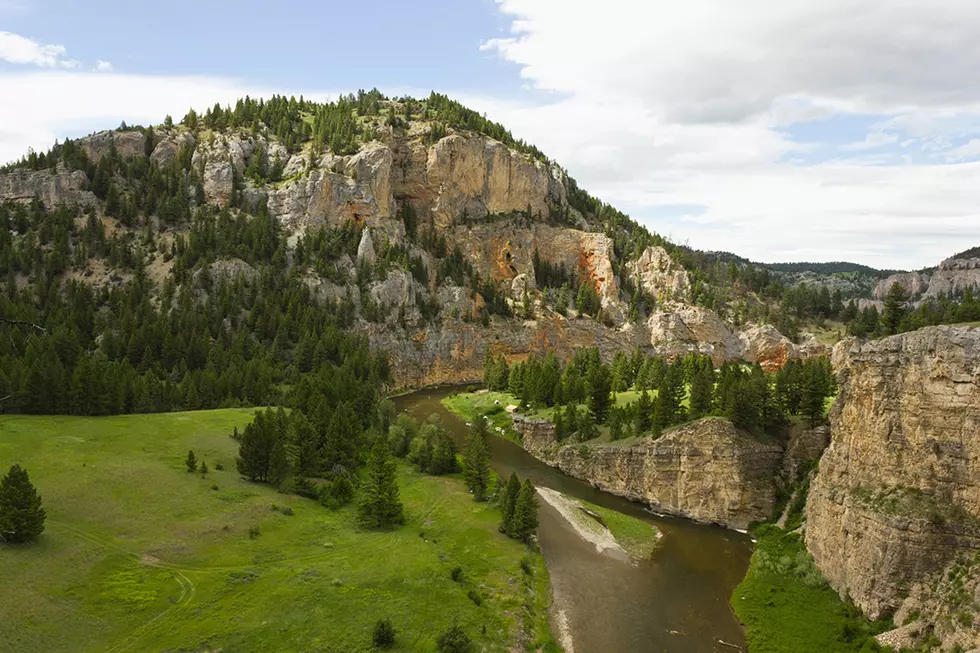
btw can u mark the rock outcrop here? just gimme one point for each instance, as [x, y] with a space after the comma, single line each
[51, 187]
[897, 496]
[660, 276]
[127, 143]
[952, 277]
[705, 470]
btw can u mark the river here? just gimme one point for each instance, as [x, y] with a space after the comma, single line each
[676, 602]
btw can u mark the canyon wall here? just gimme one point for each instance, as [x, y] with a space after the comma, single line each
[705, 470]
[897, 495]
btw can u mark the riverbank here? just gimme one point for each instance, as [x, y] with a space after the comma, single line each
[140, 554]
[787, 606]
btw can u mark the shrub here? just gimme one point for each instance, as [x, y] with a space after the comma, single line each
[384, 634]
[527, 566]
[457, 574]
[214, 486]
[287, 511]
[218, 466]
[253, 532]
[454, 640]
[475, 597]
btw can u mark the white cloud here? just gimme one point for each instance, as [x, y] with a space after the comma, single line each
[18, 49]
[660, 104]
[49, 105]
[103, 66]
[969, 150]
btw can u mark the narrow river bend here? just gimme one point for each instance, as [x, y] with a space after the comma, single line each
[676, 602]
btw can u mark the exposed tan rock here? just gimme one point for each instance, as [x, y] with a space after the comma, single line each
[805, 446]
[659, 275]
[897, 495]
[767, 346]
[365, 249]
[455, 351]
[165, 152]
[51, 187]
[475, 176]
[706, 470]
[951, 277]
[946, 604]
[677, 329]
[128, 144]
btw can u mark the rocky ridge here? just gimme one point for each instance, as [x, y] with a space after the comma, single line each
[492, 202]
[951, 278]
[897, 496]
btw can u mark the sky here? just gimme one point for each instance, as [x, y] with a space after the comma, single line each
[780, 130]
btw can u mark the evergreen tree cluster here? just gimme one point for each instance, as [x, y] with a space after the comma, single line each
[671, 393]
[519, 508]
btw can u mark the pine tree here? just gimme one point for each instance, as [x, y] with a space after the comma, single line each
[381, 506]
[278, 463]
[644, 407]
[191, 462]
[508, 502]
[524, 522]
[894, 308]
[204, 468]
[599, 385]
[702, 391]
[476, 463]
[21, 514]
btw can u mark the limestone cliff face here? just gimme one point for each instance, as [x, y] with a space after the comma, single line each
[952, 277]
[51, 187]
[677, 329]
[897, 495]
[455, 352]
[705, 470]
[660, 276]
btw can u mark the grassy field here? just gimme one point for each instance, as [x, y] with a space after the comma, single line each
[787, 606]
[139, 554]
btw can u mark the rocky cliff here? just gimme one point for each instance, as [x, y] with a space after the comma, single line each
[497, 205]
[951, 278]
[897, 495]
[705, 470]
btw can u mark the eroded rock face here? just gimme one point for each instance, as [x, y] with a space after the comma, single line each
[706, 470]
[677, 329]
[767, 346]
[897, 495]
[128, 144]
[952, 277]
[456, 351]
[660, 276]
[51, 187]
[477, 176]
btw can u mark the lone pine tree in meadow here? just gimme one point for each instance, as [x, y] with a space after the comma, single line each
[21, 514]
[191, 461]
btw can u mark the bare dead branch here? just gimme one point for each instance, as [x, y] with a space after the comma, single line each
[6, 320]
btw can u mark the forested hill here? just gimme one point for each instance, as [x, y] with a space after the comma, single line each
[217, 259]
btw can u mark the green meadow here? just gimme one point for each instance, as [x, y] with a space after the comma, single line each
[139, 554]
